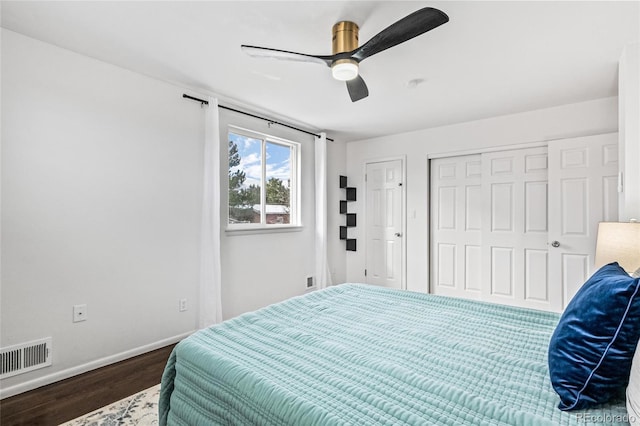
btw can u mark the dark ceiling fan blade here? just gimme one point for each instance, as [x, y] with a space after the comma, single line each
[357, 89]
[265, 52]
[419, 22]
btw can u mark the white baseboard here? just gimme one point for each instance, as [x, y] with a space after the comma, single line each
[102, 362]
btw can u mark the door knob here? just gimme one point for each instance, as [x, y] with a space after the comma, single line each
[398, 234]
[555, 244]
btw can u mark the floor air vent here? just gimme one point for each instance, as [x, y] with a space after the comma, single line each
[18, 359]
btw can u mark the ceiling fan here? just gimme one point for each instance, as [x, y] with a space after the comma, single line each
[347, 55]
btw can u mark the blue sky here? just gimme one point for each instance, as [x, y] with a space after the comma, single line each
[278, 159]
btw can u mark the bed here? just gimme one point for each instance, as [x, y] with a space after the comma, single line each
[356, 354]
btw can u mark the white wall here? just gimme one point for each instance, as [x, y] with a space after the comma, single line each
[337, 165]
[593, 117]
[101, 201]
[264, 268]
[101, 204]
[629, 120]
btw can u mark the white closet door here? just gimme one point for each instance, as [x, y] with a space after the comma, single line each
[583, 178]
[514, 229]
[456, 210]
[521, 229]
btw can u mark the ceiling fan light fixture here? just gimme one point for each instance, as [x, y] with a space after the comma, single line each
[344, 69]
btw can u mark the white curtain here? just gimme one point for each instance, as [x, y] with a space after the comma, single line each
[322, 273]
[210, 308]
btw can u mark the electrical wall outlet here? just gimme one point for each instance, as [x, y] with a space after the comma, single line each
[79, 313]
[182, 305]
[310, 282]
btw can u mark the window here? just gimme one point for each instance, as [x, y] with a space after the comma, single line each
[263, 178]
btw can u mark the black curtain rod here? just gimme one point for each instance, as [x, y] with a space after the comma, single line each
[205, 102]
[202, 101]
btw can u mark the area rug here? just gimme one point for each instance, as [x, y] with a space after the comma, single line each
[140, 409]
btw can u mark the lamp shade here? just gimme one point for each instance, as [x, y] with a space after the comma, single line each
[618, 242]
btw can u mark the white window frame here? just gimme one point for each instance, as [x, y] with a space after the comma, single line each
[295, 199]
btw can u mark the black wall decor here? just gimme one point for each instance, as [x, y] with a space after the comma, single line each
[350, 195]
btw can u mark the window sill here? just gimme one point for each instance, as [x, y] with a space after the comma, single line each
[271, 229]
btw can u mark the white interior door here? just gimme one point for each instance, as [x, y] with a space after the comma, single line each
[456, 212]
[514, 229]
[384, 224]
[583, 182]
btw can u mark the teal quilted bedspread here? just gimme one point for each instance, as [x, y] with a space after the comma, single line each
[355, 354]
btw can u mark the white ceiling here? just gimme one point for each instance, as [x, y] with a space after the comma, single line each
[492, 58]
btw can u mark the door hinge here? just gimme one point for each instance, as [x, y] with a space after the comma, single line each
[620, 182]
[365, 177]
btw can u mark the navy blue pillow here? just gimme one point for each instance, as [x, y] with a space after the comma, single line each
[592, 347]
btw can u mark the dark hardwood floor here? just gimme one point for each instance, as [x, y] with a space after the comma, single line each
[65, 400]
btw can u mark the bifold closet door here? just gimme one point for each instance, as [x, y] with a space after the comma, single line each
[519, 227]
[583, 174]
[456, 210]
[489, 227]
[515, 261]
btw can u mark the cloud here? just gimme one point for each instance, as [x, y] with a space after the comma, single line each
[277, 162]
[249, 143]
[249, 160]
[280, 170]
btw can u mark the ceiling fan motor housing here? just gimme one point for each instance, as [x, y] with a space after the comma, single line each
[345, 39]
